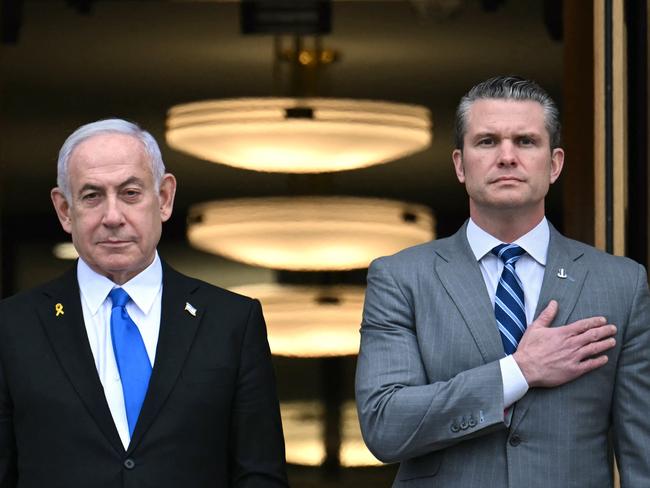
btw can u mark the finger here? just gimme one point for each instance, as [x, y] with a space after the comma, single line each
[585, 326]
[546, 316]
[594, 335]
[591, 364]
[594, 348]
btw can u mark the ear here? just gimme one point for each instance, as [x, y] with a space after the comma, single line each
[166, 196]
[557, 163]
[457, 157]
[62, 209]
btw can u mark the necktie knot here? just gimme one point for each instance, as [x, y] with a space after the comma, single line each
[508, 253]
[119, 297]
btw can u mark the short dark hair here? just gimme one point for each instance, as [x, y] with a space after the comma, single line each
[508, 88]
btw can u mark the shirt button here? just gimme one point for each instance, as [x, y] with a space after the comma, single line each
[515, 440]
[129, 463]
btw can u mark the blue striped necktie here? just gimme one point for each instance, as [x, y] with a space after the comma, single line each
[130, 355]
[509, 306]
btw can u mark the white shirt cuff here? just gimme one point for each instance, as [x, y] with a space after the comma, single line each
[514, 383]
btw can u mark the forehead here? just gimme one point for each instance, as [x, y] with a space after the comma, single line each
[505, 115]
[108, 153]
[105, 145]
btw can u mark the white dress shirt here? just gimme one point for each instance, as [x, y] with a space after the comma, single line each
[145, 291]
[530, 269]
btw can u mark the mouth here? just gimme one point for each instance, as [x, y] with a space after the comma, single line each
[507, 179]
[114, 242]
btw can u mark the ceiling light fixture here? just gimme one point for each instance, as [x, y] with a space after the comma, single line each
[308, 233]
[65, 250]
[298, 135]
[302, 422]
[310, 321]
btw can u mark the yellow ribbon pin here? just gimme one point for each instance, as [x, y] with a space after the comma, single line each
[58, 308]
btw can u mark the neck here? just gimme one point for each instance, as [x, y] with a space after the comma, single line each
[507, 226]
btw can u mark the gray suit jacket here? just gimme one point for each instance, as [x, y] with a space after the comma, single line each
[429, 388]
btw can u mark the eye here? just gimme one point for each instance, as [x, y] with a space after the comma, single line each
[526, 141]
[131, 194]
[90, 196]
[485, 141]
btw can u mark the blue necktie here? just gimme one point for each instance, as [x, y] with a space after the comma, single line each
[130, 355]
[509, 306]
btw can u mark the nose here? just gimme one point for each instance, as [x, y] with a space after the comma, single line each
[113, 215]
[507, 154]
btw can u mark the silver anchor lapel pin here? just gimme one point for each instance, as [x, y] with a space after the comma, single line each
[561, 273]
[189, 308]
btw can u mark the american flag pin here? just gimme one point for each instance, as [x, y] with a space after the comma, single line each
[190, 309]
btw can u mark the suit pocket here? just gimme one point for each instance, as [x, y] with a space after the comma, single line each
[420, 467]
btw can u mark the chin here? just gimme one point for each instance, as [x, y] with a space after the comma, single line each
[118, 264]
[510, 199]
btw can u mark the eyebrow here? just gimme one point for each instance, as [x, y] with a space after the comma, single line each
[483, 134]
[129, 181]
[532, 135]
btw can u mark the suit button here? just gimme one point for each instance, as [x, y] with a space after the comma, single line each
[464, 424]
[454, 427]
[472, 422]
[129, 463]
[515, 440]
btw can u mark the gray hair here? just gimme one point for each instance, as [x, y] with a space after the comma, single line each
[106, 126]
[509, 88]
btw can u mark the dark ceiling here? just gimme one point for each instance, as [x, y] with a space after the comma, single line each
[135, 59]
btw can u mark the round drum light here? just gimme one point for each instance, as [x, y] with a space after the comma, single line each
[310, 321]
[308, 233]
[298, 135]
[302, 422]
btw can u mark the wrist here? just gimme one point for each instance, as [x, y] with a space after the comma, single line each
[524, 367]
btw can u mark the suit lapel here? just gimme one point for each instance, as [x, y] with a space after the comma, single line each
[178, 327]
[69, 340]
[459, 273]
[563, 260]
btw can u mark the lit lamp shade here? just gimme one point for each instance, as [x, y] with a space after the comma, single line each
[65, 250]
[310, 321]
[298, 135]
[308, 233]
[302, 423]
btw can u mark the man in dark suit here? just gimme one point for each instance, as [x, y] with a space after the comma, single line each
[124, 372]
[452, 383]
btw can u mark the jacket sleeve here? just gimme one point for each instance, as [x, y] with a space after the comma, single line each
[631, 400]
[8, 466]
[403, 413]
[257, 453]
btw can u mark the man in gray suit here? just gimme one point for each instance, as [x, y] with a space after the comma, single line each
[450, 381]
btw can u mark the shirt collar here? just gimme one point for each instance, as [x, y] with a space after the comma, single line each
[143, 288]
[535, 242]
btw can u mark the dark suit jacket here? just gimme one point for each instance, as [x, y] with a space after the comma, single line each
[210, 417]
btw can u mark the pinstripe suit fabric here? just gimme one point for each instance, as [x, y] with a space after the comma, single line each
[429, 388]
